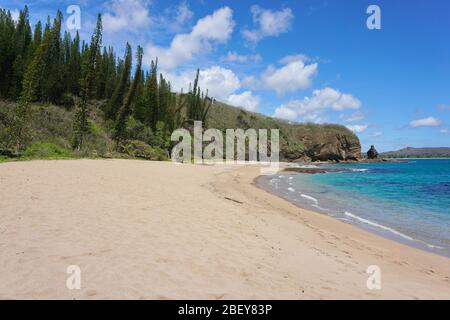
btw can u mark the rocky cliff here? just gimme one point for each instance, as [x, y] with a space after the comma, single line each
[335, 147]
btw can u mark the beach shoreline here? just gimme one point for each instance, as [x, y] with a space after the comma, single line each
[158, 230]
[311, 204]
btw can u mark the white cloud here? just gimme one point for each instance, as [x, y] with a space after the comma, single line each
[126, 15]
[233, 56]
[175, 18]
[358, 128]
[285, 112]
[444, 107]
[445, 131]
[289, 78]
[321, 100]
[294, 58]
[292, 76]
[183, 13]
[356, 116]
[245, 100]
[269, 23]
[221, 83]
[212, 29]
[15, 14]
[313, 117]
[425, 122]
[377, 134]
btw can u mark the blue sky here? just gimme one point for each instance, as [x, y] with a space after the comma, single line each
[304, 60]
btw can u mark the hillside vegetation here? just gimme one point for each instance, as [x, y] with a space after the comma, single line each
[50, 134]
[304, 142]
[63, 97]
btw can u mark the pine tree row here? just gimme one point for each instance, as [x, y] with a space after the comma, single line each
[44, 66]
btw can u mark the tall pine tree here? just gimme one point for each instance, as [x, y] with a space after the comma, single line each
[121, 88]
[87, 85]
[125, 111]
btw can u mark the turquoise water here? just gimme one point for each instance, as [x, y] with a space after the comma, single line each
[408, 201]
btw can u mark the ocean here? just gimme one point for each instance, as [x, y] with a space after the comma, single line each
[407, 201]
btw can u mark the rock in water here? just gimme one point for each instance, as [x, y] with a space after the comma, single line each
[372, 153]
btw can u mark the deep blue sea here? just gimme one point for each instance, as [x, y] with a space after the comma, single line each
[408, 201]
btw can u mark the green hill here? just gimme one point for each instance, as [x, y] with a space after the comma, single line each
[410, 152]
[316, 142]
[51, 131]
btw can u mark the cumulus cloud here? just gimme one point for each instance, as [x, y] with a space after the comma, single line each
[321, 100]
[183, 13]
[15, 14]
[425, 122]
[356, 116]
[221, 83]
[289, 78]
[286, 111]
[233, 56]
[294, 75]
[357, 128]
[175, 18]
[445, 131]
[245, 100]
[293, 58]
[126, 15]
[268, 23]
[212, 29]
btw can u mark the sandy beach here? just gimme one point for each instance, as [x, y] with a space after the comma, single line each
[157, 230]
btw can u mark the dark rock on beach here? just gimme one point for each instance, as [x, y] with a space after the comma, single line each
[311, 170]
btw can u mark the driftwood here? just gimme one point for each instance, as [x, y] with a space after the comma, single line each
[237, 201]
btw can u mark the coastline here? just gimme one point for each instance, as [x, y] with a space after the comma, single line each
[308, 202]
[156, 230]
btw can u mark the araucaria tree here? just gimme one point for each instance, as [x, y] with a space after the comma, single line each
[121, 88]
[125, 111]
[87, 85]
[198, 103]
[39, 64]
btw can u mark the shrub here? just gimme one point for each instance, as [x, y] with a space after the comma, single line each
[139, 149]
[136, 130]
[43, 150]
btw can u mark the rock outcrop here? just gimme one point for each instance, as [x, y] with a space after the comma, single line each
[336, 147]
[372, 153]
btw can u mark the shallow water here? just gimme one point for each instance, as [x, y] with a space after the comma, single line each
[406, 201]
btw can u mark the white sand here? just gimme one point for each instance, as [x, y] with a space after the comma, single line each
[149, 230]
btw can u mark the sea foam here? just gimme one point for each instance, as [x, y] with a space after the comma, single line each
[309, 198]
[359, 170]
[354, 216]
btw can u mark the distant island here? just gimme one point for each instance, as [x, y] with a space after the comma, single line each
[410, 152]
